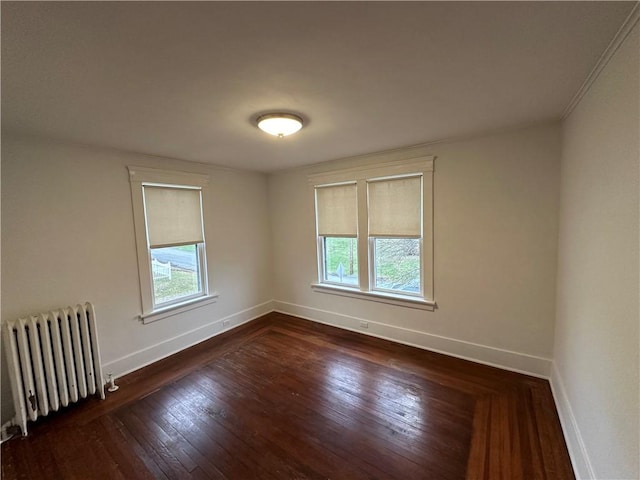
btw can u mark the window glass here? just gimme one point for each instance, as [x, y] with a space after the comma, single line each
[341, 260]
[397, 264]
[175, 273]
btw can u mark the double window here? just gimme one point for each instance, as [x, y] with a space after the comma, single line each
[374, 230]
[168, 216]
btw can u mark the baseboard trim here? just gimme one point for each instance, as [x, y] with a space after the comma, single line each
[495, 357]
[146, 356]
[573, 438]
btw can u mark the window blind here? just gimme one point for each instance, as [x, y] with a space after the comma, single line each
[337, 210]
[395, 207]
[174, 216]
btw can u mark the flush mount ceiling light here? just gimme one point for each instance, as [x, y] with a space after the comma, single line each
[279, 124]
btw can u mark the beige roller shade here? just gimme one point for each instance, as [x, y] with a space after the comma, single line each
[174, 216]
[337, 210]
[395, 207]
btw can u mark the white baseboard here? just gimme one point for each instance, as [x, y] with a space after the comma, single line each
[496, 357]
[505, 359]
[149, 355]
[577, 451]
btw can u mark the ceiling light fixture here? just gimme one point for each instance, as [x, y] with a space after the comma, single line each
[279, 124]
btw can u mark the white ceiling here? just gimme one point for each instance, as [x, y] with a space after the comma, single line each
[186, 80]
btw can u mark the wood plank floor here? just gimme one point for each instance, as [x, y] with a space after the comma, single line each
[285, 398]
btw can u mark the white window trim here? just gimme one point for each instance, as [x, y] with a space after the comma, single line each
[177, 308]
[423, 165]
[375, 296]
[145, 175]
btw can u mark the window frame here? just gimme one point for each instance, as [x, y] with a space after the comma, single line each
[139, 177]
[422, 166]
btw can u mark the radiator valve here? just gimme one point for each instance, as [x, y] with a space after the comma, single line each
[112, 384]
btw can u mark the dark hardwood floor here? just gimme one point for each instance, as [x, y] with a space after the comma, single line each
[285, 398]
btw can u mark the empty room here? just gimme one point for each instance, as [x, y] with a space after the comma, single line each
[320, 240]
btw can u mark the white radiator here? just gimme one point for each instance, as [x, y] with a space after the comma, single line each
[53, 360]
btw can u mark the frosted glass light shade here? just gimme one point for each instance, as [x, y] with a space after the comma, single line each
[279, 124]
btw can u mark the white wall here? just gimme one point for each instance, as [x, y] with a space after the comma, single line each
[595, 378]
[496, 204]
[68, 237]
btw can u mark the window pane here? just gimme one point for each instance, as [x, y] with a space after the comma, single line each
[175, 272]
[397, 264]
[341, 260]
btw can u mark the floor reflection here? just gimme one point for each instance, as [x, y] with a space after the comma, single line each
[402, 402]
[342, 389]
[361, 390]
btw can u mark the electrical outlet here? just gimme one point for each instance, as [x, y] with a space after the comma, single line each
[225, 323]
[364, 324]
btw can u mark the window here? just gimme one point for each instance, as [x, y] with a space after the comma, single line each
[173, 216]
[168, 217]
[337, 224]
[395, 234]
[374, 232]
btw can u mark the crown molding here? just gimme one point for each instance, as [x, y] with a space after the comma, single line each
[618, 39]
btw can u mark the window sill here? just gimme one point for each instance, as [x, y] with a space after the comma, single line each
[391, 299]
[177, 308]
